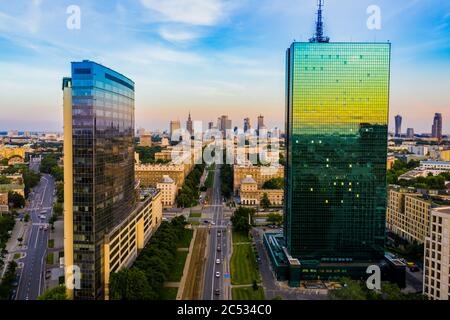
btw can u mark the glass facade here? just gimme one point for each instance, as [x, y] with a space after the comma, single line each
[336, 128]
[103, 165]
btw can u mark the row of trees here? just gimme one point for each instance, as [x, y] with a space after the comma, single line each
[357, 290]
[146, 278]
[226, 176]
[7, 223]
[400, 167]
[8, 280]
[49, 165]
[274, 184]
[147, 154]
[189, 193]
[243, 219]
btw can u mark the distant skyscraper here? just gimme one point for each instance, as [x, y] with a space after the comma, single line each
[189, 126]
[102, 167]
[398, 126]
[210, 125]
[261, 123]
[336, 145]
[410, 133]
[174, 126]
[437, 126]
[225, 124]
[247, 124]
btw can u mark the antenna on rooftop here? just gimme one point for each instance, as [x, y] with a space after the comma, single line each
[318, 36]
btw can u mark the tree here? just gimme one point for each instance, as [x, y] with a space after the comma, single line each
[265, 202]
[58, 209]
[9, 277]
[4, 180]
[57, 293]
[242, 219]
[47, 163]
[26, 218]
[129, 284]
[17, 200]
[274, 184]
[275, 218]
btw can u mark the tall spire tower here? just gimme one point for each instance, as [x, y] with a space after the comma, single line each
[319, 37]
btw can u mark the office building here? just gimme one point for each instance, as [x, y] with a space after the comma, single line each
[106, 223]
[174, 127]
[398, 126]
[436, 130]
[247, 124]
[225, 124]
[336, 142]
[261, 123]
[410, 133]
[436, 278]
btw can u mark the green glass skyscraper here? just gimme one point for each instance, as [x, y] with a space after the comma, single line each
[337, 99]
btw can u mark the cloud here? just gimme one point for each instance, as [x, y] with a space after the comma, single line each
[174, 35]
[195, 12]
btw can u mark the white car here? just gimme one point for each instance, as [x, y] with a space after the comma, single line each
[217, 274]
[218, 261]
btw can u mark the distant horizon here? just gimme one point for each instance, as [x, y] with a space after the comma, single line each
[210, 60]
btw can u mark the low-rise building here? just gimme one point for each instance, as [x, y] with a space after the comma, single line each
[251, 195]
[123, 243]
[145, 140]
[150, 175]
[15, 188]
[168, 190]
[4, 204]
[260, 174]
[15, 160]
[435, 165]
[7, 152]
[437, 256]
[445, 155]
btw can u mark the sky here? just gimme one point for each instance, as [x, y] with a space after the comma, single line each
[211, 57]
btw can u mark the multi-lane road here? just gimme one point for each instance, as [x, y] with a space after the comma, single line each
[217, 284]
[40, 204]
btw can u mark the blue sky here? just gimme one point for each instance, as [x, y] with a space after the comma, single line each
[210, 57]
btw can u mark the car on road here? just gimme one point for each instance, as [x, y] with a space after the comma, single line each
[41, 227]
[219, 248]
[218, 261]
[42, 216]
[219, 233]
[217, 274]
[217, 292]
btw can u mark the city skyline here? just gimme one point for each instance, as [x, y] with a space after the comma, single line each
[218, 62]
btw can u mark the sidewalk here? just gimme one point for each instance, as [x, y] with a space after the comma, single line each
[21, 229]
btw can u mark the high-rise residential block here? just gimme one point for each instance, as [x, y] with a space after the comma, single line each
[437, 256]
[398, 126]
